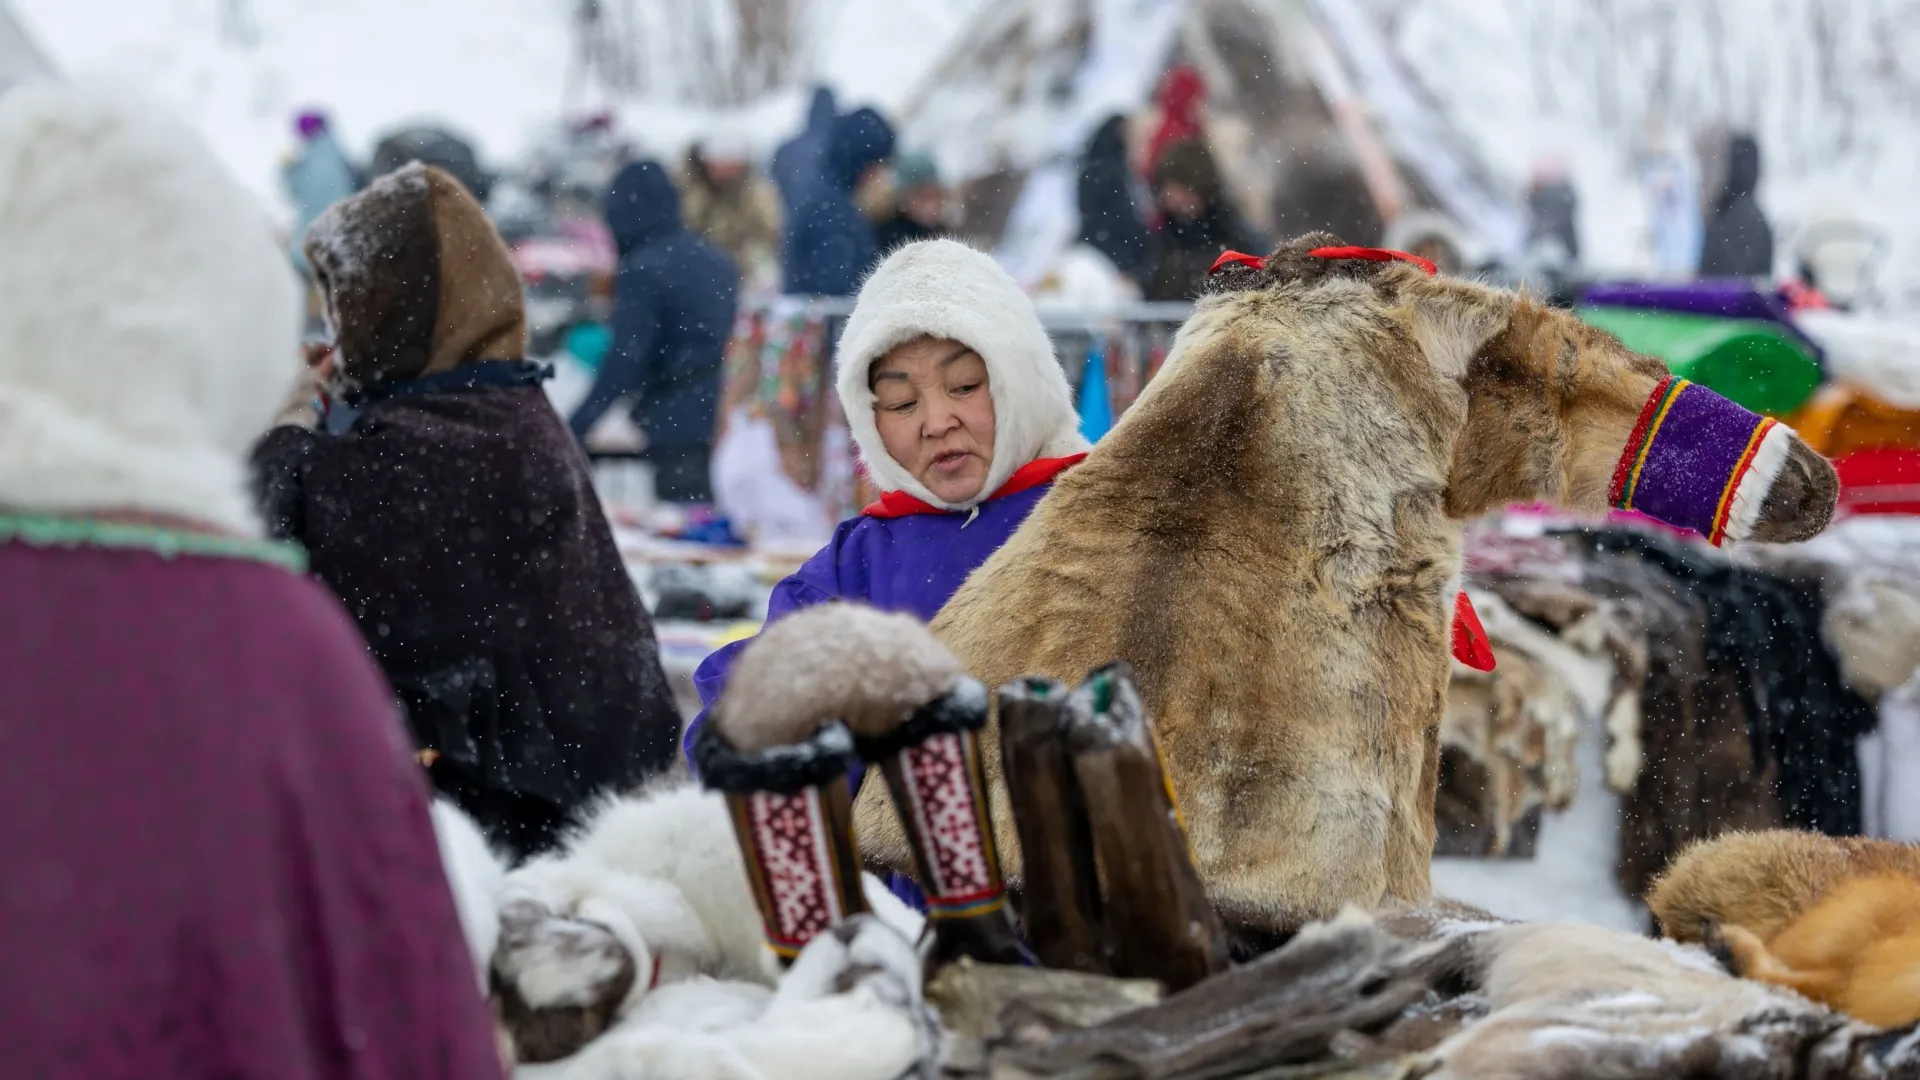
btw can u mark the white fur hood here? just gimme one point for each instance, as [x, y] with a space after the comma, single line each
[149, 322]
[945, 289]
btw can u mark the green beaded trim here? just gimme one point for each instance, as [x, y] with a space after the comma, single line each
[37, 530]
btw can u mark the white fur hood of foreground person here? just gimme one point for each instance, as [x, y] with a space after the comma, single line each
[145, 375]
[661, 874]
[945, 289]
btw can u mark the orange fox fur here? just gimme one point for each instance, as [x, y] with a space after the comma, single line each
[1837, 920]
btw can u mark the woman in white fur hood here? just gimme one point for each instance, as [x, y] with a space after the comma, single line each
[962, 417]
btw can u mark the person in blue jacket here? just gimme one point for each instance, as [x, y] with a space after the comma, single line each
[830, 244]
[797, 162]
[673, 306]
[317, 176]
[962, 417]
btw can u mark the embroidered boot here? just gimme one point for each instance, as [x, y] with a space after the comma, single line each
[932, 764]
[793, 817]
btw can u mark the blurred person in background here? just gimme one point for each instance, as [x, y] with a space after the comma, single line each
[1738, 242]
[1197, 222]
[1110, 219]
[674, 299]
[830, 243]
[1181, 94]
[919, 203]
[797, 162]
[1553, 211]
[438, 494]
[1669, 184]
[733, 207]
[317, 175]
[218, 853]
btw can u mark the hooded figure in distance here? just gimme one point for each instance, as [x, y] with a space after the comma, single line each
[451, 509]
[1738, 242]
[1110, 220]
[796, 164]
[673, 308]
[830, 243]
[218, 854]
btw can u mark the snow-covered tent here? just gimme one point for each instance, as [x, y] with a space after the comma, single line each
[1313, 119]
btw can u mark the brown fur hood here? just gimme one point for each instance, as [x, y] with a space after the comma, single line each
[416, 280]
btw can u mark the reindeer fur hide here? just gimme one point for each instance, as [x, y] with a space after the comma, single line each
[1271, 536]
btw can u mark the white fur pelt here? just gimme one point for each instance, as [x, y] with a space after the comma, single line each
[1571, 1001]
[149, 321]
[662, 872]
[849, 1009]
[478, 877]
[945, 289]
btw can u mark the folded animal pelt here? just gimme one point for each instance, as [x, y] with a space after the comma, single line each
[1869, 571]
[1582, 1002]
[1764, 630]
[637, 950]
[1508, 735]
[1835, 919]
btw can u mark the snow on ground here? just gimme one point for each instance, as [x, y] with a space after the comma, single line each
[1570, 877]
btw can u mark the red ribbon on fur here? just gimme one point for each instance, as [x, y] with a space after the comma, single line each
[1376, 255]
[1230, 258]
[1241, 258]
[1470, 643]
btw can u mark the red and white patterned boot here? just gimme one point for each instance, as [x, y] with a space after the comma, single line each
[933, 768]
[793, 816]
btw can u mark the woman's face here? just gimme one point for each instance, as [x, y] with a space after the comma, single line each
[935, 415]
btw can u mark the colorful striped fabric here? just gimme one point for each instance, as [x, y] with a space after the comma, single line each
[1686, 459]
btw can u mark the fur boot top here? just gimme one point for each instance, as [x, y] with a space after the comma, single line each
[865, 668]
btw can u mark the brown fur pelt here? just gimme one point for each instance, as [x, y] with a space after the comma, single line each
[1271, 537]
[1837, 920]
[1508, 735]
[1698, 775]
[1764, 880]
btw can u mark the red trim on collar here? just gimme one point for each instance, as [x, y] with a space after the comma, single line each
[653, 980]
[899, 504]
[1470, 643]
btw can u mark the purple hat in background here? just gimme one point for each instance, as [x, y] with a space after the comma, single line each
[310, 122]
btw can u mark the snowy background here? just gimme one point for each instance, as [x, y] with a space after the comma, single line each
[1831, 87]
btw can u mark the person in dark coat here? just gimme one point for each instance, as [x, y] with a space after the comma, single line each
[1110, 220]
[1553, 212]
[219, 859]
[1738, 241]
[673, 308]
[797, 162]
[1197, 222]
[447, 504]
[830, 243]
